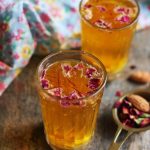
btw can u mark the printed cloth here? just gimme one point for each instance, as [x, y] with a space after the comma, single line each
[44, 25]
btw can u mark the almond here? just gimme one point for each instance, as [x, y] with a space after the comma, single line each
[139, 102]
[140, 77]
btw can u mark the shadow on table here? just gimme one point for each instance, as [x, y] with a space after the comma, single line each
[38, 137]
[106, 127]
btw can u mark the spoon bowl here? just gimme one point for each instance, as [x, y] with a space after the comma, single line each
[129, 130]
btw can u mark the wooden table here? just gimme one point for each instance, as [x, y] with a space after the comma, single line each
[21, 125]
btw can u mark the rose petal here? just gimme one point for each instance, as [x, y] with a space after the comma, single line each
[102, 24]
[101, 8]
[66, 68]
[145, 122]
[65, 103]
[79, 66]
[56, 92]
[89, 72]
[94, 83]
[45, 84]
[118, 93]
[123, 19]
[74, 95]
[125, 110]
[87, 6]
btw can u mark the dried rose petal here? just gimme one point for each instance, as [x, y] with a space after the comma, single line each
[65, 103]
[45, 84]
[123, 19]
[102, 24]
[124, 10]
[66, 68]
[145, 122]
[90, 71]
[74, 95]
[76, 102]
[127, 122]
[125, 110]
[134, 111]
[127, 103]
[56, 92]
[101, 8]
[87, 6]
[132, 117]
[94, 83]
[79, 66]
[118, 93]
[117, 104]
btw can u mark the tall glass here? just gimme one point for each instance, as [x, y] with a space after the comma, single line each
[71, 127]
[112, 45]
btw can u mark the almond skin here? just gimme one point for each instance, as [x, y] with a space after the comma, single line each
[139, 102]
[140, 77]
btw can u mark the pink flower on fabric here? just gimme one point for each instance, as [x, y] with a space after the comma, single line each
[2, 86]
[73, 10]
[20, 19]
[16, 56]
[17, 37]
[25, 10]
[39, 27]
[45, 17]
[1, 47]
[2, 72]
[3, 26]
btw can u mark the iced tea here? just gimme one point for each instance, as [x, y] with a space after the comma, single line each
[107, 30]
[70, 94]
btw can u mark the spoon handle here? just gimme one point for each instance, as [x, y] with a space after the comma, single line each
[116, 146]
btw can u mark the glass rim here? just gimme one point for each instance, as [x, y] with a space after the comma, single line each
[72, 51]
[113, 29]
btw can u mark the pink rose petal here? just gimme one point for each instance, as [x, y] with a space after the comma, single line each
[94, 83]
[102, 24]
[79, 66]
[56, 92]
[101, 8]
[87, 6]
[89, 72]
[123, 19]
[45, 84]
[74, 95]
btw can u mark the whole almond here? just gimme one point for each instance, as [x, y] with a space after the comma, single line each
[140, 77]
[139, 102]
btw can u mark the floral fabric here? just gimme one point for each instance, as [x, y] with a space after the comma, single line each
[44, 25]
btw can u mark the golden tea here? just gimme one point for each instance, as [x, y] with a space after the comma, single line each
[107, 30]
[70, 96]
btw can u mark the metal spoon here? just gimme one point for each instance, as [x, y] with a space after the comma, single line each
[116, 145]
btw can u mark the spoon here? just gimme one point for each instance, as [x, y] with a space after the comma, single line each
[121, 127]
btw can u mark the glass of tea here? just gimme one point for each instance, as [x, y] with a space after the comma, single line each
[107, 30]
[70, 86]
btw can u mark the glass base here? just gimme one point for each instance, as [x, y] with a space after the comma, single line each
[81, 147]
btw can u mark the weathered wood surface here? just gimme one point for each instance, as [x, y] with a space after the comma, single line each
[21, 125]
